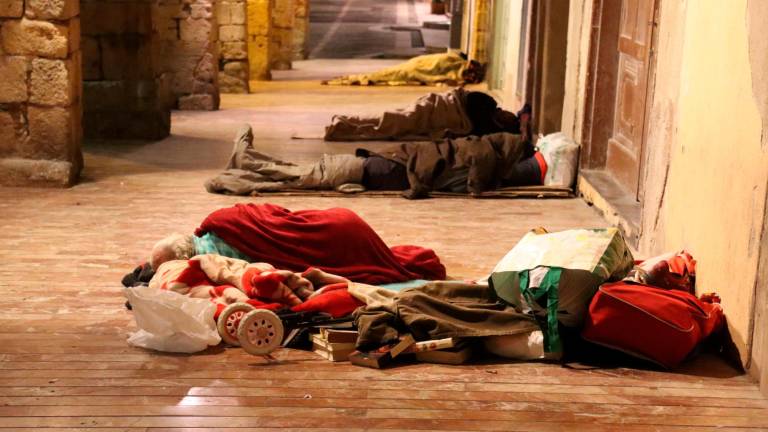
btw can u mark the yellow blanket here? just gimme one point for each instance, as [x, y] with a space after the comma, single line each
[430, 69]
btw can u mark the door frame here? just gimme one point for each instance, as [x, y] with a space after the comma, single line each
[649, 96]
[548, 44]
[600, 93]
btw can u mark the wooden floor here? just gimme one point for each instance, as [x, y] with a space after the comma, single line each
[65, 365]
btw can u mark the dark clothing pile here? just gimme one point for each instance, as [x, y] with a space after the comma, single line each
[472, 164]
[441, 310]
[486, 116]
[141, 275]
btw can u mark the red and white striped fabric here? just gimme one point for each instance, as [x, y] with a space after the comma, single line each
[228, 280]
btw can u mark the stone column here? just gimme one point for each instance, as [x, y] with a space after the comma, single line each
[233, 46]
[300, 29]
[189, 51]
[259, 35]
[282, 34]
[40, 92]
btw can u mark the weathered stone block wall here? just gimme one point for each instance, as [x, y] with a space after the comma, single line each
[233, 48]
[259, 30]
[40, 92]
[124, 93]
[282, 34]
[300, 29]
[187, 37]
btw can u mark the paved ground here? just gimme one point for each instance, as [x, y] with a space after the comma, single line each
[65, 365]
[364, 29]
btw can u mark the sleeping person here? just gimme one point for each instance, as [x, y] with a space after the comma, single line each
[449, 68]
[316, 242]
[457, 113]
[472, 164]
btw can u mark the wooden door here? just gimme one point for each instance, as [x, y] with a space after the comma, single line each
[625, 146]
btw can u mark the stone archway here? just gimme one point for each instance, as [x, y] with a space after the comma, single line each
[142, 58]
[111, 69]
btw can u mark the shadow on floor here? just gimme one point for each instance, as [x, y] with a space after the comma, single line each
[176, 153]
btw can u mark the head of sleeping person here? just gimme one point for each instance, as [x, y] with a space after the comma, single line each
[174, 247]
[487, 117]
[473, 73]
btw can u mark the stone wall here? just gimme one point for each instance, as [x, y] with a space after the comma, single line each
[300, 29]
[282, 34]
[124, 93]
[188, 51]
[259, 28]
[40, 92]
[276, 35]
[233, 49]
[700, 194]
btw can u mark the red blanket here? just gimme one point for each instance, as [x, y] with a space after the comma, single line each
[336, 240]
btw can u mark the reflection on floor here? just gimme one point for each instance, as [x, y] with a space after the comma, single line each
[64, 361]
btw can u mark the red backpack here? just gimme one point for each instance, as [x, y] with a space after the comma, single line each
[659, 325]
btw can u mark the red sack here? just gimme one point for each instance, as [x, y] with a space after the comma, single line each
[659, 325]
[674, 270]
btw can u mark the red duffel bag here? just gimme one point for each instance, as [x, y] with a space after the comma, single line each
[659, 325]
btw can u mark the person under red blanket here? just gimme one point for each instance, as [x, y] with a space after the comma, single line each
[335, 240]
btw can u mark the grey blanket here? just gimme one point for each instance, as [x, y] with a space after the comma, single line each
[250, 171]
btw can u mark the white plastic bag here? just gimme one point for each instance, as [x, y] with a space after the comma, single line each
[562, 156]
[555, 275]
[171, 322]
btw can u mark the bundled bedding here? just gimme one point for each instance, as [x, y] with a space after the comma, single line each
[329, 263]
[432, 116]
[335, 240]
[225, 280]
[431, 69]
[453, 114]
